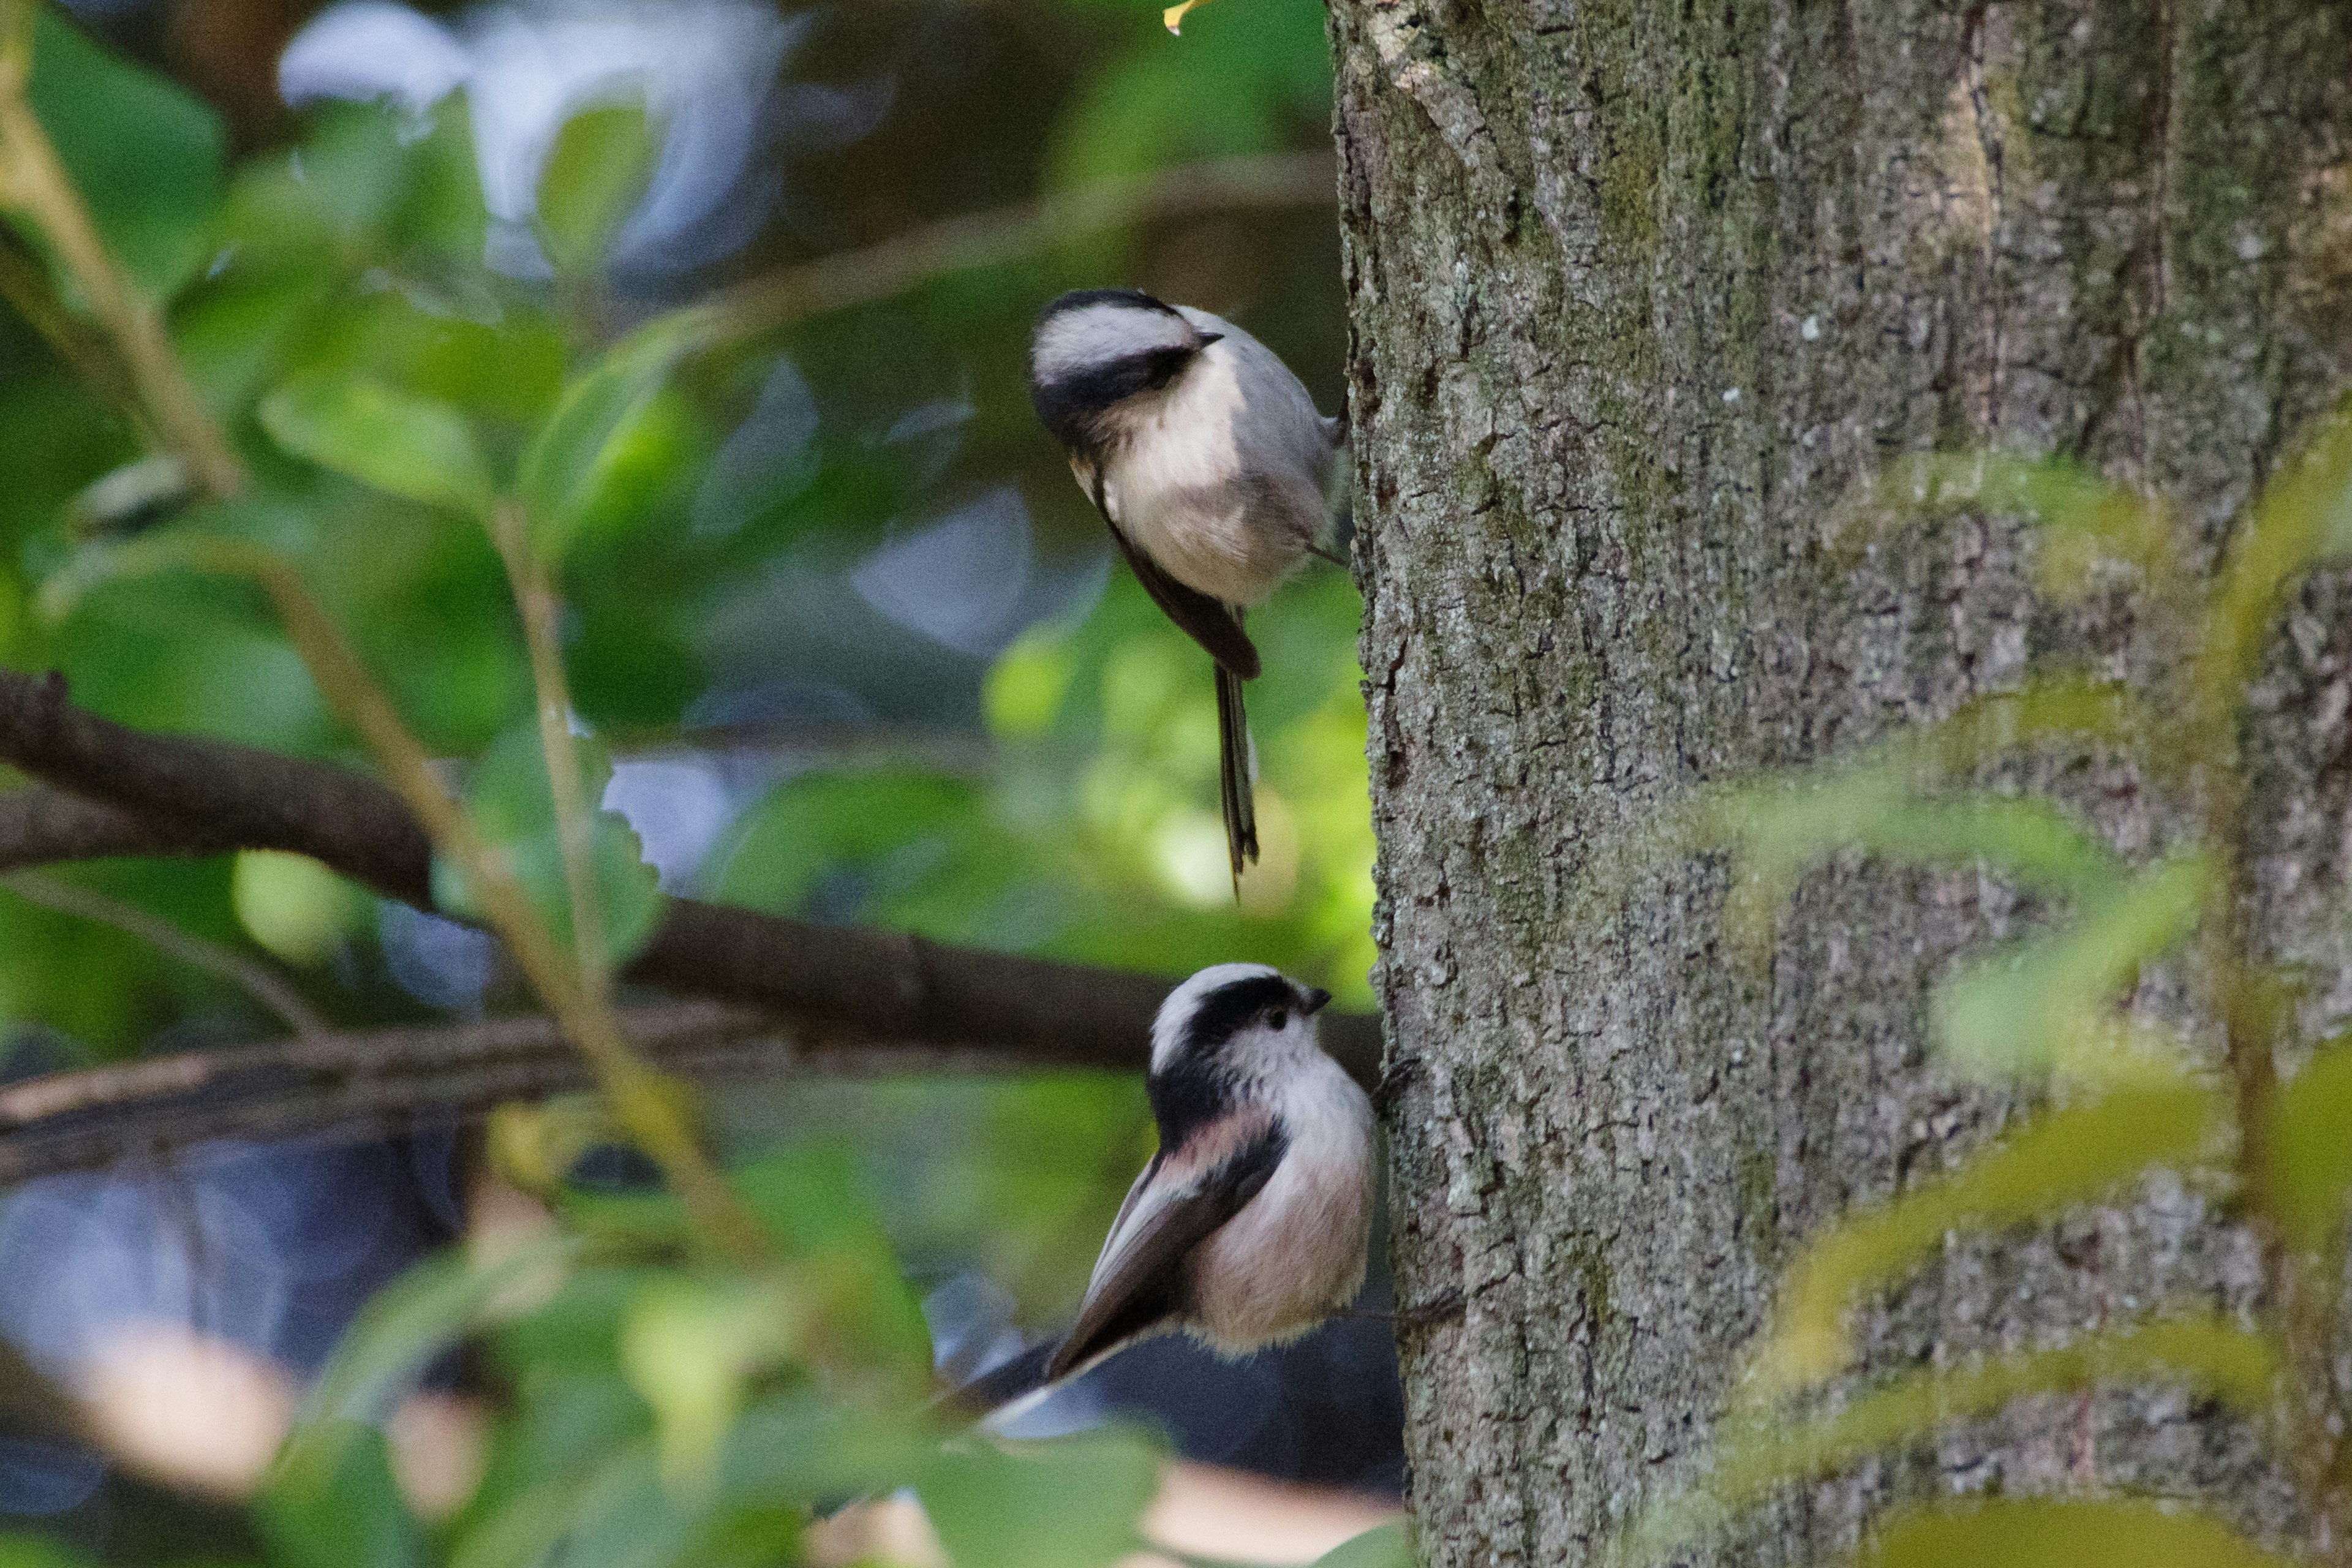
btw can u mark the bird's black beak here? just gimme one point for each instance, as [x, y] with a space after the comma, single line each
[1313, 999]
[1206, 338]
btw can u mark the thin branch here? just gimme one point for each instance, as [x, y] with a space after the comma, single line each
[534, 596]
[986, 239]
[363, 1081]
[34, 187]
[643, 1104]
[255, 978]
[145, 794]
[281, 1089]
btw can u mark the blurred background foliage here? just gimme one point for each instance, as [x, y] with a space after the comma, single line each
[849, 643]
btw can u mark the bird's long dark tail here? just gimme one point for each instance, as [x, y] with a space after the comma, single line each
[1011, 1382]
[1234, 760]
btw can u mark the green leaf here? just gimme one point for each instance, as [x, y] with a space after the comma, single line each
[145, 154]
[808, 1196]
[801, 1450]
[1242, 76]
[2067, 1156]
[2210, 1354]
[37, 1551]
[2313, 1152]
[615, 1497]
[689, 1348]
[341, 1509]
[2022, 1532]
[2304, 516]
[292, 905]
[1386, 1545]
[596, 174]
[512, 810]
[397, 1334]
[576, 450]
[1784, 826]
[2073, 711]
[366, 430]
[2084, 517]
[2025, 1008]
[1069, 1504]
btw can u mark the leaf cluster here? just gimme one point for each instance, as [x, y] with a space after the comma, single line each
[2124, 1093]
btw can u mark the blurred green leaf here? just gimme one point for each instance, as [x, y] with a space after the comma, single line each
[804, 1450]
[2084, 517]
[2303, 516]
[338, 1506]
[822, 825]
[2073, 711]
[145, 153]
[2313, 1152]
[1784, 826]
[37, 1551]
[596, 174]
[1240, 78]
[808, 1196]
[2210, 1354]
[1027, 683]
[614, 1503]
[1069, 1504]
[2067, 1156]
[400, 1331]
[513, 810]
[689, 1347]
[292, 905]
[2024, 1532]
[575, 451]
[2020, 1009]
[1386, 1545]
[366, 430]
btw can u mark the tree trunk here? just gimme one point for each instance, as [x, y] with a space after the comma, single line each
[1640, 291]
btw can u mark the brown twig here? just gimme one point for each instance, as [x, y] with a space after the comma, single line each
[534, 596]
[34, 187]
[253, 977]
[985, 239]
[133, 793]
[363, 1081]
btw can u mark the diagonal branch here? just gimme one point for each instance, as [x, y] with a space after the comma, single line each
[258, 980]
[126, 791]
[935, 250]
[363, 1081]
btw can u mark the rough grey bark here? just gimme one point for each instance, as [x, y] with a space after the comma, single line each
[1641, 291]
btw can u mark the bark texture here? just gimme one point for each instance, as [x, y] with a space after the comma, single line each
[1640, 291]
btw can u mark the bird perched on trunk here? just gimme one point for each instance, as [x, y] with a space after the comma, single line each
[1249, 1225]
[1210, 464]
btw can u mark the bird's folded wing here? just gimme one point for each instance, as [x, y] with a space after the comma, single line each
[1207, 620]
[1138, 1279]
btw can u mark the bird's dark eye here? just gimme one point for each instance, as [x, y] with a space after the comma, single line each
[1279, 1019]
[1165, 365]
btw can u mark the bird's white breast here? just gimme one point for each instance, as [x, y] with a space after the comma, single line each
[1295, 1254]
[1177, 483]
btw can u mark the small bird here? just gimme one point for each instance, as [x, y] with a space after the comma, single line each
[1249, 1227]
[1212, 467]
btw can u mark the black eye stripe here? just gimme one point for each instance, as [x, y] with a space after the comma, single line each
[1232, 1007]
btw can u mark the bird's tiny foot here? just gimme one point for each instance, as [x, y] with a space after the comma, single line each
[1446, 1305]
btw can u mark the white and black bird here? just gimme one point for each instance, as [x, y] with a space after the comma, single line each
[1210, 462]
[1249, 1227]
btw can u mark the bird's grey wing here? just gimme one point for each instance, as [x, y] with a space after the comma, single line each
[1206, 620]
[1138, 1280]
